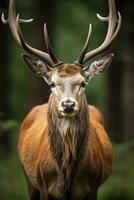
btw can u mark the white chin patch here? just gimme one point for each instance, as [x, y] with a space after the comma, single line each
[65, 114]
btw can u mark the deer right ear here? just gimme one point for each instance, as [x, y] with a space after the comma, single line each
[38, 67]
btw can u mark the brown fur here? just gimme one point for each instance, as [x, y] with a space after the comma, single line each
[64, 168]
[65, 157]
[68, 139]
[65, 70]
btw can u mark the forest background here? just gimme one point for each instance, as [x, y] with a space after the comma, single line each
[112, 92]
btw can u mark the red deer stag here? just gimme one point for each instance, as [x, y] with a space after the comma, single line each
[63, 147]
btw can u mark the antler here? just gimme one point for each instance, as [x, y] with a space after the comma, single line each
[14, 22]
[114, 25]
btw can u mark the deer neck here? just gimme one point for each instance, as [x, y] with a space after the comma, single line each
[68, 137]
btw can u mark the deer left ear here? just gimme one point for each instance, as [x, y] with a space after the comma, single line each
[99, 66]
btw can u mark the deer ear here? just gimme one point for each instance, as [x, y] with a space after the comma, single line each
[99, 66]
[38, 67]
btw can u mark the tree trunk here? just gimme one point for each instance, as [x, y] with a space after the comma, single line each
[43, 11]
[121, 79]
[128, 73]
[4, 83]
[114, 89]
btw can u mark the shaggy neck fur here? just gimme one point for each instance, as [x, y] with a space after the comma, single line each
[68, 139]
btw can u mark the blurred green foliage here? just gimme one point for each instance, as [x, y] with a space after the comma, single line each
[12, 183]
[120, 186]
[8, 125]
[71, 27]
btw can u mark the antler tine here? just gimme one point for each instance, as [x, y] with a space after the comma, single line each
[14, 22]
[111, 19]
[84, 50]
[114, 25]
[48, 45]
[42, 55]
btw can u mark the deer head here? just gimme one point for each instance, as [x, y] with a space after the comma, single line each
[67, 81]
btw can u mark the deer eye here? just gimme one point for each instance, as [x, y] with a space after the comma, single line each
[83, 84]
[52, 85]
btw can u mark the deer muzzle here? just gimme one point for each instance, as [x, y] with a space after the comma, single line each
[68, 107]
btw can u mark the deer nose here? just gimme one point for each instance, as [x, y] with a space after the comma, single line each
[68, 106]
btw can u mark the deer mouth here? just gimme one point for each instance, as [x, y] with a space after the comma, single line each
[68, 113]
